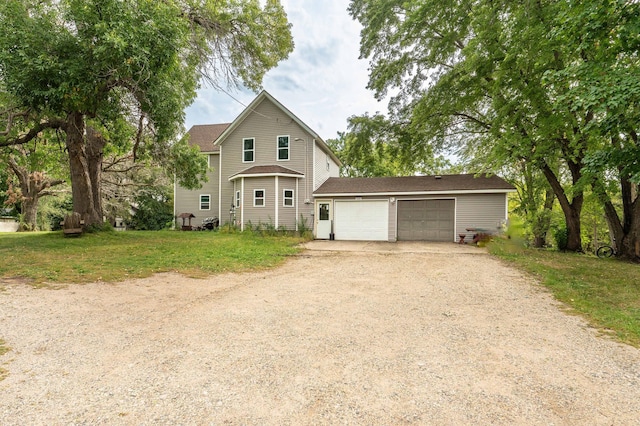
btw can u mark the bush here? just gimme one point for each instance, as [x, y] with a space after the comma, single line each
[561, 236]
[153, 213]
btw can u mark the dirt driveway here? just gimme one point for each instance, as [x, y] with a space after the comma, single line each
[372, 334]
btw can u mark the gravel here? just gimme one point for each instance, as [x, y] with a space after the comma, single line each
[378, 334]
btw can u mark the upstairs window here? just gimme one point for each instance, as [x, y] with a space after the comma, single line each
[205, 202]
[283, 148]
[287, 198]
[258, 198]
[248, 150]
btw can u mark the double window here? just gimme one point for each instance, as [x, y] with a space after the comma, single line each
[258, 198]
[205, 202]
[283, 148]
[248, 150]
[287, 197]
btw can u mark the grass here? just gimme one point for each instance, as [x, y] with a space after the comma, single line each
[44, 258]
[604, 291]
[3, 350]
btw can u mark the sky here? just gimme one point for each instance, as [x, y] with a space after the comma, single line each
[322, 82]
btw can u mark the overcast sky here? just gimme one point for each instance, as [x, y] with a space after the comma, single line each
[323, 82]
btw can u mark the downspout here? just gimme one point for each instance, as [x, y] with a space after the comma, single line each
[297, 201]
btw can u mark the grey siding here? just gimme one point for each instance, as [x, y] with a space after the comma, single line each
[188, 201]
[265, 125]
[487, 211]
[257, 215]
[320, 170]
[287, 215]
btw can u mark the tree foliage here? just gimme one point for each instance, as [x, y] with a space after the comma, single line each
[553, 84]
[376, 146]
[117, 76]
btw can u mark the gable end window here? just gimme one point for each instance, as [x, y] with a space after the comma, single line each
[205, 202]
[283, 148]
[248, 150]
[258, 198]
[287, 198]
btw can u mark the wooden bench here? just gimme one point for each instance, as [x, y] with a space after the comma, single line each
[72, 225]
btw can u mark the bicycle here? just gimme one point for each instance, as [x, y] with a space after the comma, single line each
[606, 251]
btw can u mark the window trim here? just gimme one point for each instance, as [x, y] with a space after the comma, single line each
[263, 198]
[200, 202]
[237, 203]
[285, 198]
[278, 147]
[253, 150]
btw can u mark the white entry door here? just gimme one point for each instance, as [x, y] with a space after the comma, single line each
[323, 221]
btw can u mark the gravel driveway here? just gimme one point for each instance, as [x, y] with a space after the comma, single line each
[371, 334]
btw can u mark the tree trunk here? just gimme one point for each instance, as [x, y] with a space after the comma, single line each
[95, 144]
[30, 212]
[571, 209]
[82, 188]
[626, 232]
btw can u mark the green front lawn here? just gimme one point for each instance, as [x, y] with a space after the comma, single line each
[48, 257]
[605, 291]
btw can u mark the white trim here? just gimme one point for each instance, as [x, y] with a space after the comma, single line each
[220, 185]
[396, 194]
[242, 209]
[277, 207]
[250, 175]
[297, 202]
[200, 202]
[278, 147]
[292, 198]
[247, 150]
[251, 109]
[264, 198]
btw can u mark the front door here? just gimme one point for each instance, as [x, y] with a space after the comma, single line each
[323, 221]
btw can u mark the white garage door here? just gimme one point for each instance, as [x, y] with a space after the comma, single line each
[361, 220]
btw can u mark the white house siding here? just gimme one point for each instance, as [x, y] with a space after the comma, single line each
[487, 211]
[321, 174]
[188, 201]
[265, 125]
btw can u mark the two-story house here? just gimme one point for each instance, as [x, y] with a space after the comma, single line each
[269, 167]
[264, 168]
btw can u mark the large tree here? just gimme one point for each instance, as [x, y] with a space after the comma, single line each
[487, 75]
[376, 146]
[79, 66]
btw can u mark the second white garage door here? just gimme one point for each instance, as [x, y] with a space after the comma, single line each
[361, 220]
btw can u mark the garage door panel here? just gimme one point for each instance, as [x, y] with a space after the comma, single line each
[427, 220]
[361, 220]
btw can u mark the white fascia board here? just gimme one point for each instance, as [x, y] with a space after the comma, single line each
[396, 194]
[232, 178]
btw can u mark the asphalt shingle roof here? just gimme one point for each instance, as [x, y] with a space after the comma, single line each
[268, 170]
[204, 135]
[441, 183]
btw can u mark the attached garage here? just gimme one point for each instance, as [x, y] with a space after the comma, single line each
[361, 220]
[426, 220]
[412, 208]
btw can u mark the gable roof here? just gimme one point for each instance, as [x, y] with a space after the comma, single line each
[414, 185]
[274, 170]
[251, 109]
[205, 135]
